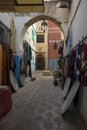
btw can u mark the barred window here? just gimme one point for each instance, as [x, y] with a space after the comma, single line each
[40, 38]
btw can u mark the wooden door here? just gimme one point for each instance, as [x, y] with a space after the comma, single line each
[40, 62]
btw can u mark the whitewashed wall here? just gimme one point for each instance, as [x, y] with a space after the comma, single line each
[19, 23]
[6, 18]
[79, 26]
[80, 22]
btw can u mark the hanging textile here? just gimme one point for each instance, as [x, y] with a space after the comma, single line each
[84, 53]
[29, 53]
[71, 63]
[1, 63]
[29, 60]
[84, 64]
[65, 64]
[77, 70]
[69, 41]
[6, 65]
[25, 55]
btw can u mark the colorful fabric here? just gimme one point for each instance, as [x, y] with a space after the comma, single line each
[69, 41]
[5, 102]
[84, 52]
[84, 64]
[29, 53]
[71, 63]
[78, 62]
[65, 64]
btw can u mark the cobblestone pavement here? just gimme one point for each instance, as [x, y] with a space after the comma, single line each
[37, 106]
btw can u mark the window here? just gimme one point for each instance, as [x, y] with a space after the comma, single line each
[40, 39]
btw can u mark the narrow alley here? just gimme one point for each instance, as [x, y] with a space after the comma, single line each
[39, 36]
[37, 106]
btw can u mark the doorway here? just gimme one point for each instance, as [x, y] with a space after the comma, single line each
[40, 62]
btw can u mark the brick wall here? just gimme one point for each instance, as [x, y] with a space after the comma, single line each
[54, 35]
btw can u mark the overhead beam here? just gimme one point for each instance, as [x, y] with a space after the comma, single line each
[7, 9]
[22, 6]
[6, 0]
[29, 1]
[21, 9]
[29, 9]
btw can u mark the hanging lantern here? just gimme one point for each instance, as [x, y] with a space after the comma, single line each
[60, 50]
[55, 45]
[44, 25]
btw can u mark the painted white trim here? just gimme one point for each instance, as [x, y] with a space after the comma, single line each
[54, 41]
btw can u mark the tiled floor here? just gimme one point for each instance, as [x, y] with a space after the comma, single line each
[37, 106]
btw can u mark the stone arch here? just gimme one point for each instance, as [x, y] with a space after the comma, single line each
[42, 17]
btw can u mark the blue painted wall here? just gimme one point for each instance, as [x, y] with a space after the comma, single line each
[52, 64]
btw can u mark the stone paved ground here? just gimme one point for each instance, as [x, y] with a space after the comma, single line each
[37, 106]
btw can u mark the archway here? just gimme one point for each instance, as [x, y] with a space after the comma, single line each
[40, 62]
[43, 17]
[39, 18]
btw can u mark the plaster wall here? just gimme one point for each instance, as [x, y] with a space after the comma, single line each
[79, 26]
[19, 23]
[6, 18]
